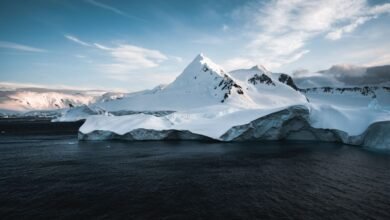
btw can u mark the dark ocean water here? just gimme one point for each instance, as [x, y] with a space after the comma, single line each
[57, 177]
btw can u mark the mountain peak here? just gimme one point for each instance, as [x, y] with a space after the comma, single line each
[199, 58]
[201, 62]
[203, 78]
[200, 55]
[259, 68]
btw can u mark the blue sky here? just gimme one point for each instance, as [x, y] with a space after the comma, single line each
[133, 45]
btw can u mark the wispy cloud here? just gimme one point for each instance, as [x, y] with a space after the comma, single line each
[99, 46]
[126, 57]
[21, 47]
[129, 57]
[280, 30]
[339, 32]
[112, 9]
[76, 40]
[365, 14]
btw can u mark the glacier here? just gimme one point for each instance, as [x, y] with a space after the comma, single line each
[292, 123]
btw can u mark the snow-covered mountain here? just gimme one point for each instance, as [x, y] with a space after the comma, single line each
[204, 83]
[31, 101]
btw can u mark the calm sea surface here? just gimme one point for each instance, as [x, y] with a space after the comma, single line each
[56, 176]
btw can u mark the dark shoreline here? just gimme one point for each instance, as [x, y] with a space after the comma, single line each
[34, 126]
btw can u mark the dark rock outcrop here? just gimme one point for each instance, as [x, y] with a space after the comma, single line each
[227, 84]
[365, 91]
[286, 79]
[261, 79]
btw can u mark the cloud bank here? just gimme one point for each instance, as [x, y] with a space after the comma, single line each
[344, 75]
[280, 30]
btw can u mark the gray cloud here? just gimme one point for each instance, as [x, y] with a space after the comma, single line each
[345, 75]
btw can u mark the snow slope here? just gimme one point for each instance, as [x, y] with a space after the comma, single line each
[202, 83]
[265, 88]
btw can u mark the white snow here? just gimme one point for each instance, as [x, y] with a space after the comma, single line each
[212, 123]
[264, 95]
[353, 120]
[198, 86]
[198, 97]
[77, 113]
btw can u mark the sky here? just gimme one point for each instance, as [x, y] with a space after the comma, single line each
[131, 45]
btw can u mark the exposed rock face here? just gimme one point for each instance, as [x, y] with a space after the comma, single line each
[144, 135]
[289, 124]
[261, 79]
[365, 91]
[286, 79]
[227, 84]
[293, 124]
